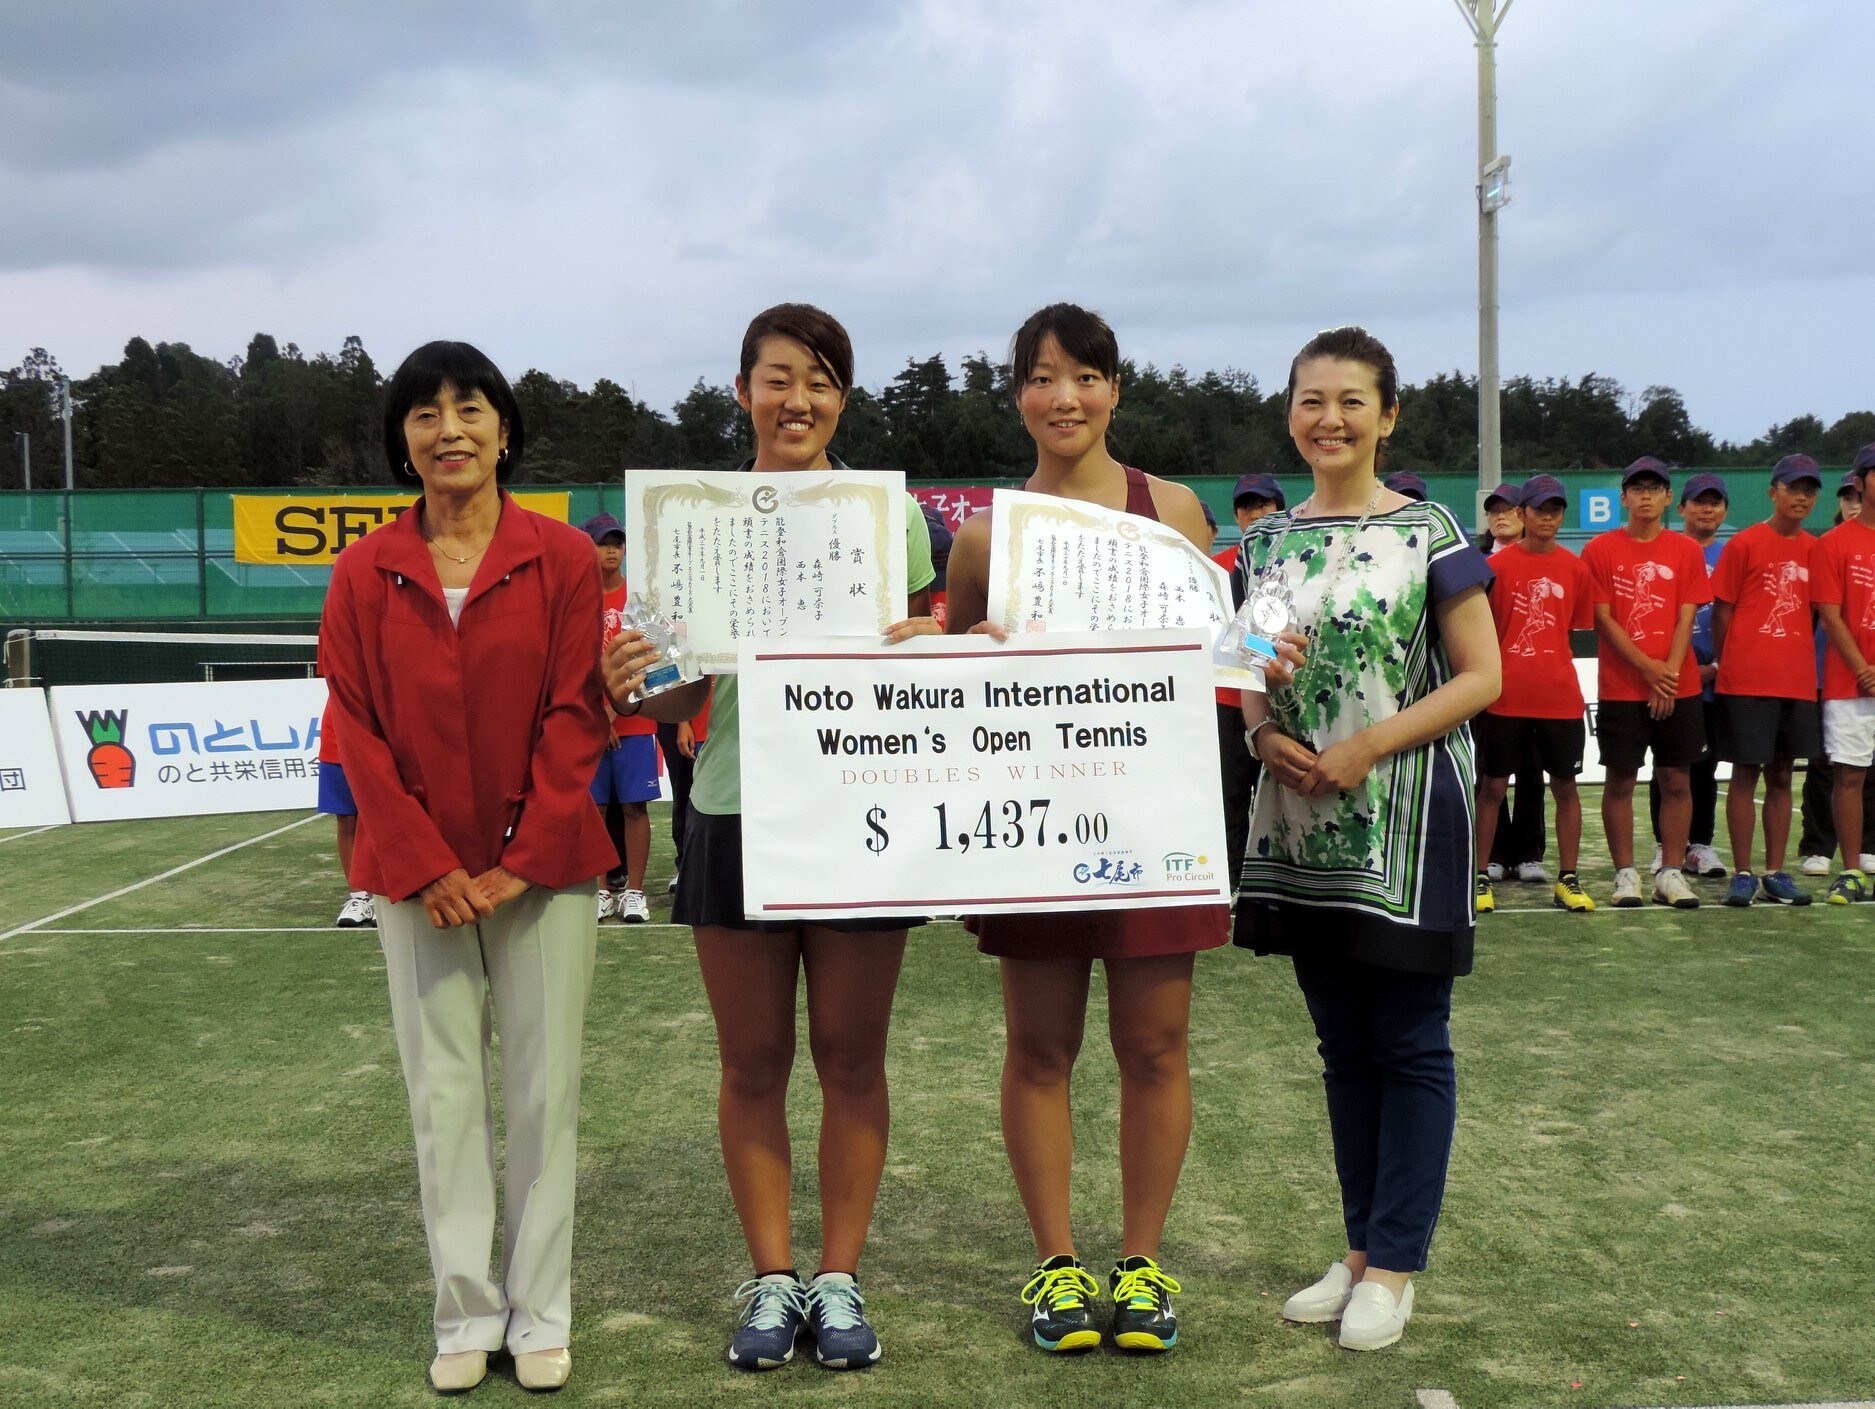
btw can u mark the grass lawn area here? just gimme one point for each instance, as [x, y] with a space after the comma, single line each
[1661, 1192]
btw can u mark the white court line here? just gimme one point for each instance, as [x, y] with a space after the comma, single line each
[1441, 1399]
[33, 833]
[139, 885]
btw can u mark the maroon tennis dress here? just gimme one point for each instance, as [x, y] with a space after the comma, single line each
[1106, 934]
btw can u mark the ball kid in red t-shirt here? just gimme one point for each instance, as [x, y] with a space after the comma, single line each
[1842, 585]
[1541, 594]
[1648, 582]
[1765, 705]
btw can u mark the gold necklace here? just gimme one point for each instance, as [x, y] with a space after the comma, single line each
[437, 545]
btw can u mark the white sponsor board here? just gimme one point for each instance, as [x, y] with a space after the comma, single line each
[31, 792]
[186, 750]
[1066, 565]
[958, 775]
[756, 556]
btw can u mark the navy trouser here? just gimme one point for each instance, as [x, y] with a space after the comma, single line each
[1386, 1045]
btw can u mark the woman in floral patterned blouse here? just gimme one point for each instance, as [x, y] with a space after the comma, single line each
[1360, 858]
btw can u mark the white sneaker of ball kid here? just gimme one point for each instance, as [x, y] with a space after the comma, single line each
[633, 909]
[1532, 872]
[608, 905]
[1816, 865]
[1702, 860]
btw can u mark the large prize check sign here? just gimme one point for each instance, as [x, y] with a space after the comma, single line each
[754, 556]
[959, 775]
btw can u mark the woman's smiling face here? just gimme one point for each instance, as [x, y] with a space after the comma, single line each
[1336, 416]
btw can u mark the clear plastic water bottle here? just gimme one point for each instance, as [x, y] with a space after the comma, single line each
[669, 639]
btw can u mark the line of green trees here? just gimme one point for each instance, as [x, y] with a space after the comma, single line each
[167, 416]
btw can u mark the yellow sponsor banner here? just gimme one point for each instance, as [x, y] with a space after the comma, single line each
[309, 530]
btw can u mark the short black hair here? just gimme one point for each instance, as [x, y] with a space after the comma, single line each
[813, 328]
[422, 376]
[1082, 333]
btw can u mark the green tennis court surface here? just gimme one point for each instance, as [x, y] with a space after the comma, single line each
[1661, 1193]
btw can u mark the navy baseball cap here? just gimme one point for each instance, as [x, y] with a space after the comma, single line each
[1209, 517]
[1793, 468]
[601, 527]
[1542, 489]
[1705, 482]
[1259, 487]
[1648, 467]
[1407, 483]
[1864, 459]
[1508, 494]
[1851, 482]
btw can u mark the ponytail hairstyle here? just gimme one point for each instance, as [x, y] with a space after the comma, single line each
[1353, 343]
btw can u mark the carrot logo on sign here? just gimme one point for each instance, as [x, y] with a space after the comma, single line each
[112, 765]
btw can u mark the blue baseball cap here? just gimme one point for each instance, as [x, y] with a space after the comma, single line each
[1259, 487]
[1209, 516]
[601, 527]
[1507, 494]
[1864, 459]
[1649, 467]
[1851, 482]
[1705, 482]
[1794, 468]
[1407, 483]
[1541, 489]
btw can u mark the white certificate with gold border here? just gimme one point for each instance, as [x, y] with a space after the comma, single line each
[1066, 565]
[751, 555]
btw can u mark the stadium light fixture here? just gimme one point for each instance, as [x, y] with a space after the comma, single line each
[1483, 17]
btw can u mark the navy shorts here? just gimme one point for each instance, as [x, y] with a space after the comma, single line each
[628, 773]
[1754, 729]
[335, 794]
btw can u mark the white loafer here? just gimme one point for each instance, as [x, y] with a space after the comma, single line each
[458, 1371]
[1323, 1301]
[1373, 1318]
[543, 1369]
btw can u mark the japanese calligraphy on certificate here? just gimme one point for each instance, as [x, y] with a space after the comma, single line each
[958, 775]
[740, 556]
[1067, 565]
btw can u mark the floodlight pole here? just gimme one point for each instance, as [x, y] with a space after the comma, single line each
[65, 413]
[1483, 18]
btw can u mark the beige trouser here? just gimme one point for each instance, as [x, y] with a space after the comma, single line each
[535, 957]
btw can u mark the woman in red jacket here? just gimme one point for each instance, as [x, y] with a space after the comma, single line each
[457, 643]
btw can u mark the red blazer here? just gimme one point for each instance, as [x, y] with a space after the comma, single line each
[471, 745]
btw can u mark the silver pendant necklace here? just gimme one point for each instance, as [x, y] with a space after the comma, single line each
[1272, 607]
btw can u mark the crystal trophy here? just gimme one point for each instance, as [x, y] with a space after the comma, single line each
[669, 639]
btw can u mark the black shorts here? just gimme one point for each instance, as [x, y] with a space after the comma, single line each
[709, 885]
[1754, 729]
[1504, 740]
[1627, 732]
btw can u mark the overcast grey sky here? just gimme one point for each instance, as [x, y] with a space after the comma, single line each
[612, 189]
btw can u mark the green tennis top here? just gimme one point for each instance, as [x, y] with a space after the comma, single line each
[717, 786]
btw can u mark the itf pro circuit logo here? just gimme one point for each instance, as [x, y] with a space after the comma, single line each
[111, 762]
